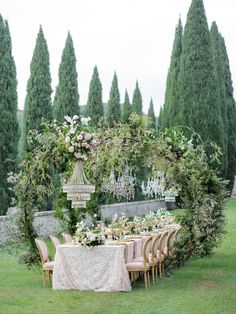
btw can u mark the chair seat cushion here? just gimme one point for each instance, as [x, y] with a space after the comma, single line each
[48, 266]
[136, 266]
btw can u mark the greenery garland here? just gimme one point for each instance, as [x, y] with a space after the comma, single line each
[202, 192]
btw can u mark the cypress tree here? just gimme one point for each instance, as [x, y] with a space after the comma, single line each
[38, 97]
[220, 70]
[137, 104]
[170, 108]
[159, 122]
[231, 115]
[94, 108]
[151, 115]
[9, 129]
[127, 109]
[66, 100]
[199, 98]
[114, 108]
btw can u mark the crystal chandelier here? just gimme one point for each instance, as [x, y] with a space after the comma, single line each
[155, 186]
[123, 187]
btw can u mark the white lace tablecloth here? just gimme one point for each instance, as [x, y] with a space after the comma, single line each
[100, 268]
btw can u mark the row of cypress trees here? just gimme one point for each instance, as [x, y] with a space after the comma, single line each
[66, 102]
[199, 91]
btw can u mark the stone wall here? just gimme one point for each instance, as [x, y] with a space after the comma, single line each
[4, 237]
[44, 222]
[131, 209]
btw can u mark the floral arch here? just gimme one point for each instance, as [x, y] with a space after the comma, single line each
[51, 161]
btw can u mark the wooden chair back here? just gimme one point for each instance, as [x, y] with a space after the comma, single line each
[43, 250]
[155, 245]
[170, 241]
[163, 242]
[146, 250]
[67, 237]
[177, 233]
[55, 242]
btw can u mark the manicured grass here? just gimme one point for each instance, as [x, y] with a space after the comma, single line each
[203, 286]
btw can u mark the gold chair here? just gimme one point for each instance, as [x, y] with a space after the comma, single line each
[177, 233]
[47, 265]
[162, 252]
[142, 266]
[67, 237]
[155, 258]
[170, 242]
[55, 242]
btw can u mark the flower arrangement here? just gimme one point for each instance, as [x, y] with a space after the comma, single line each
[88, 237]
[79, 139]
[122, 226]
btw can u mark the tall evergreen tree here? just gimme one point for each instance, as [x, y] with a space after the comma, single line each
[114, 108]
[159, 122]
[9, 131]
[137, 103]
[127, 109]
[220, 70]
[171, 105]
[94, 108]
[198, 87]
[231, 115]
[151, 115]
[67, 96]
[38, 98]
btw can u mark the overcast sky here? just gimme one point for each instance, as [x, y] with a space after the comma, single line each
[133, 37]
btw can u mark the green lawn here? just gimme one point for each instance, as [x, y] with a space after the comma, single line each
[203, 286]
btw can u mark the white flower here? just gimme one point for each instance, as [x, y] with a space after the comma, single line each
[67, 139]
[85, 121]
[92, 237]
[79, 137]
[71, 149]
[68, 119]
[75, 117]
[77, 155]
[72, 131]
[88, 136]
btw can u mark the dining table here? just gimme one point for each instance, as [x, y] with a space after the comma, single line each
[98, 268]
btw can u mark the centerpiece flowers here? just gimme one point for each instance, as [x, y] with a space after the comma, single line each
[123, 225]
[86, 237]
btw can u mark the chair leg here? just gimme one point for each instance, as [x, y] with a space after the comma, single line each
[145, 279]
[148, 279]
[44, 279]
[156, 270]
[49, 276]
[153, 274]
[160, 269]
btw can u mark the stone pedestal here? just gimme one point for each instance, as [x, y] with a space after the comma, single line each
[233, 195]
